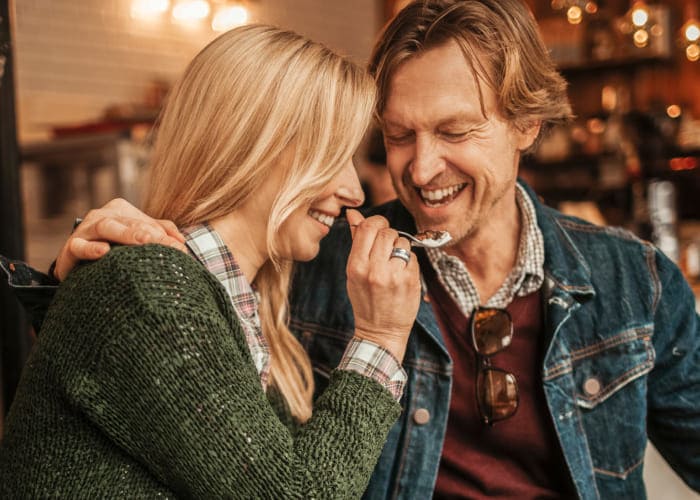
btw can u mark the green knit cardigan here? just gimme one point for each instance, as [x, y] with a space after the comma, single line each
[141, 384]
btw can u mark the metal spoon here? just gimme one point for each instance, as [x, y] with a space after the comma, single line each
[428, 239]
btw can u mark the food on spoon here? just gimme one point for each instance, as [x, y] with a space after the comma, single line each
[431, 235]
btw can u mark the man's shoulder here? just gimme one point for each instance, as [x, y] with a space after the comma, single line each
[586, 234]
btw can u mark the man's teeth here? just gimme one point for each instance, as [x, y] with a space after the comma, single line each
[322, 218]
[434, 197]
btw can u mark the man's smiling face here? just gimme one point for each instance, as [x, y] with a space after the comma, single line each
[453, 164]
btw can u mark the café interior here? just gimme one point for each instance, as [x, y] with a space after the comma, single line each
[84, 81]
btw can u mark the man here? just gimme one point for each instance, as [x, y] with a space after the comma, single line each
[546, 349]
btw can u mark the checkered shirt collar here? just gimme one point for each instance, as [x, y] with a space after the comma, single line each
[208, 247]
[526, 276]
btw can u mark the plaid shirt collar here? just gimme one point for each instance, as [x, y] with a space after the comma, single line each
[526, 276]
[208, 247]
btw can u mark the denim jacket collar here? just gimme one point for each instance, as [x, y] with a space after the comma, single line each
[564, 263]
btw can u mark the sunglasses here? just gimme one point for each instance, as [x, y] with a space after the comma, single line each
[496, 389]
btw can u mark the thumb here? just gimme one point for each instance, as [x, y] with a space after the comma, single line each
[355, 218]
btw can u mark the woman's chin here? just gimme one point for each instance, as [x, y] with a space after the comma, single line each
[308, 253]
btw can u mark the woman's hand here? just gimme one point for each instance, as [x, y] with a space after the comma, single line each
[384, 291]
[116, 222]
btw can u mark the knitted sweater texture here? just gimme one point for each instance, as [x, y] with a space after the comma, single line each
[141, 384]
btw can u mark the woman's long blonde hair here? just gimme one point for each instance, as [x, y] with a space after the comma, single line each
[250, 95]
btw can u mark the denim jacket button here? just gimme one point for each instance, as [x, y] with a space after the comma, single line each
[591, 386]
[421, 416]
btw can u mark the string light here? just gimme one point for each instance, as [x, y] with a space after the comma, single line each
[227, 18]
[575, 9]
[149, 9]
[227, 15]
[690, 34]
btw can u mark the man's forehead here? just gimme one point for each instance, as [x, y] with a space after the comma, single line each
[439, 76]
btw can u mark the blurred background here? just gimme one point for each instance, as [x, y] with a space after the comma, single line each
[83, 81]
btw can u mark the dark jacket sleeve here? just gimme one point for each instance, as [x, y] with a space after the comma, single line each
[33, 289]
[162, 367]
[674, 384]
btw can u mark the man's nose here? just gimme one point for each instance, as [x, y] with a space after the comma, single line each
[427, 162]
[349, 190]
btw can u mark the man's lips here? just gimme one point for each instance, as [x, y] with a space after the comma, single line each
[435, 197]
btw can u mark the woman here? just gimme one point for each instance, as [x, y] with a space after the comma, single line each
[160, 374]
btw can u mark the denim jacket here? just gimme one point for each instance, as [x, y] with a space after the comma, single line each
[622, 357]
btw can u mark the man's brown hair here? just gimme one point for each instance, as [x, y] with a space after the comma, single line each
[501, 44]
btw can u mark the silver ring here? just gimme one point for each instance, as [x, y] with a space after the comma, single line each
[400, 253]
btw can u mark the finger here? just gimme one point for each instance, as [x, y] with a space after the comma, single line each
[383, 244]
[75, 250]
[124, 231]
[354, 218]
[167, 240]
[171, 229]
[365, 234]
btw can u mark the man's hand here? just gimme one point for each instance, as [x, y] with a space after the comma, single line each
[116, 222]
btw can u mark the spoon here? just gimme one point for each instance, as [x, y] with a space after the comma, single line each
[428, 239]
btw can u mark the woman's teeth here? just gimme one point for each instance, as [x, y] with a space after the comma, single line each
[437, 197]
[322, 218]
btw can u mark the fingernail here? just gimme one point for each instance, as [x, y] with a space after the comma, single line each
[179, 246]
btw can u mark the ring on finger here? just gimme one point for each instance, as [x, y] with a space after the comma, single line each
[400, 253]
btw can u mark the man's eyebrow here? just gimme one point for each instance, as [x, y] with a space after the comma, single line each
[461, 119]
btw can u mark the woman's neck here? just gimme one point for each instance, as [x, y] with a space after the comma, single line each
[245, 239]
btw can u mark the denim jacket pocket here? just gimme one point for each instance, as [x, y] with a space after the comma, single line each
[610, 391]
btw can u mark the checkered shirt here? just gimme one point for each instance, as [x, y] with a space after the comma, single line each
[526, 276]
[208, 247]
[361, 356]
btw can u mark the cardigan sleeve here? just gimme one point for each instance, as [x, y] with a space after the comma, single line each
[162, 368]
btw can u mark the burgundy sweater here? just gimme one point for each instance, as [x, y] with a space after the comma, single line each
[516, 458]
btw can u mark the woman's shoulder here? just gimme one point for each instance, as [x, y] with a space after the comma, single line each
[148, 274]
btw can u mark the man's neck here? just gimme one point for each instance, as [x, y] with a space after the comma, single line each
[491, 252]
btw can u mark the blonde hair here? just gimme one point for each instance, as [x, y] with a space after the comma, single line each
[501, 44]
[251, 95]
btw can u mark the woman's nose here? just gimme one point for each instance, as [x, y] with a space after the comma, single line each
[349, 190]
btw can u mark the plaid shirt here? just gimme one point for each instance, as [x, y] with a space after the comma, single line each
[526, 277]
[361, 356]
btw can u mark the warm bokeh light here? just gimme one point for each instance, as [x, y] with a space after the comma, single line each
[574, 15]
[691, 31]
[557, 4]
[692, 52]
[674, 111]
[595, 126]
[148, 9]
[608, 98]
[227, 18]
[640, 14]
[641, 38]
[191, 10]
[685, 163]
[591, 7]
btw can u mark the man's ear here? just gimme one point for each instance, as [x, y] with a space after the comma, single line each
[528, 135]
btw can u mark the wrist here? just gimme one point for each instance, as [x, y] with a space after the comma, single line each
[394, 341]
